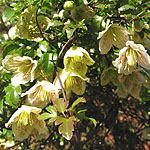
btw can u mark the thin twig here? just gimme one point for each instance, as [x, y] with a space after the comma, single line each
[62, 51]
[56, 72]
[62, 88]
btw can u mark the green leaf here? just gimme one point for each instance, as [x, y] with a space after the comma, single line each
[8, 13]
[12, 95]
[52, 120]
[1, 106]
[80, 116]
[60, 105]
[8, 49]
[52, 110]
[44, 116]
[126, 7]
[55, 23]
[48, 62]
[93, 121]
[77, 101]
[44, 46]
[66, 128]
[70, 32]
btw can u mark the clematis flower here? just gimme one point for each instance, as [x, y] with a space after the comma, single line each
[25, 123]
[26, 26]
[130, 84]
[109, 74]
[126, 84]
[132, 58]
[22, 67]
[76, 59]
[41, 94]
[72, 82]
[113, 35]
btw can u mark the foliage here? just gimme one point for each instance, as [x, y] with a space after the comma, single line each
[74, 74]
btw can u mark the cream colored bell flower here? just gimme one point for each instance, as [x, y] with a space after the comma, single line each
[132, 58]
[22, 67]
[41, 94]
[26, 26]
[77, 59]
[72, 82]
[113, 35]
[25, 123]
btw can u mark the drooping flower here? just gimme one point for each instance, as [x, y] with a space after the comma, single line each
[113, 35]
[126, 84]
[109, 75]
[72, 82]
[130, 84]
[26, 26]
[41, 94]
[25, 123]
[76, 60]
[22, 67]
[132, 58]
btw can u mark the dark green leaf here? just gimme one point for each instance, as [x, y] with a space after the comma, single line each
[48, 62]
[8, 49]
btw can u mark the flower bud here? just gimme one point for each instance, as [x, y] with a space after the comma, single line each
[68, 5]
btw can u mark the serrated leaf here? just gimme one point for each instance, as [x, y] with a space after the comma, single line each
[52, 110]
[77, 101]
[12, 95]
[8, 13]
[66, 128]
[1, 106]
[60, 105]
[44, 116]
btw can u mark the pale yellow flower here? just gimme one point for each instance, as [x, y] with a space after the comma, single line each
[113, 35]
[132, 58]
[22, 67]
[77, 59]
[72, 82]
[25, 123]
[26, 26]
[41, 94]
